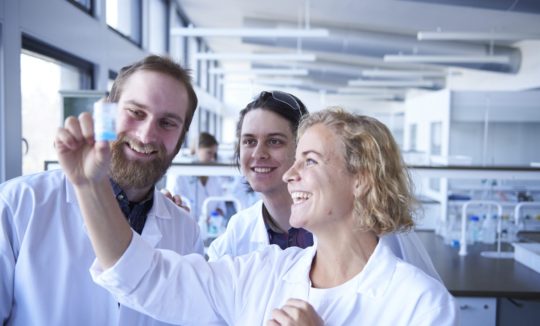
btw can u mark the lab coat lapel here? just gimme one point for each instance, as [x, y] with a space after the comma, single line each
[297, 278]
[151, 232]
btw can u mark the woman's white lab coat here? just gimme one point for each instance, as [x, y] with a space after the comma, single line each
[246, 232]
[45, 254]
[243, 290]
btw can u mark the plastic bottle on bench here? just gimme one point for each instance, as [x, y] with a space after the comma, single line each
[215, 225]
[489, 229]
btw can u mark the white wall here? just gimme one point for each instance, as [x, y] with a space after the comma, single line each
[422, 110]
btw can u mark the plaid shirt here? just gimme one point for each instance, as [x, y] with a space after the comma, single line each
[135, 213]
[292, 238]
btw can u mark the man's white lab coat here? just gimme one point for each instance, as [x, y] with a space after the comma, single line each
[45, 254]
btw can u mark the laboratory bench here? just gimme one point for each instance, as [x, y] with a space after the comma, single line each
[489, 291]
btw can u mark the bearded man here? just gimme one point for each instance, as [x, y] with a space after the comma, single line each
[45, 252]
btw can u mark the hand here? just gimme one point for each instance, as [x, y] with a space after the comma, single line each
[176, 199]
[295, 312]
[82, 159]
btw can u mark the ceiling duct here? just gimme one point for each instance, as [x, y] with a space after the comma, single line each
[378, 44]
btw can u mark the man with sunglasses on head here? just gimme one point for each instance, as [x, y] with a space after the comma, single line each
[266, 142]
[45, 252]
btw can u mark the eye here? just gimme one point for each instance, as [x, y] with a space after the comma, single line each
[135, 113]
[274, 141]
[168, 124]
[249, 142]
[310, 161]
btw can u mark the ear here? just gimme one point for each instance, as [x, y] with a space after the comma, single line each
[358, 185]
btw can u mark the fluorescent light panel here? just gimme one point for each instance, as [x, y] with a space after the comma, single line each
[402, 73]
[292, 82]
[260, 71]
[250, 32]
[471, 36]
[392, 83]
[256, 56]
[448, 58]
[370, 91]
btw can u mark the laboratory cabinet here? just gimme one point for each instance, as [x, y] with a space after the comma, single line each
[488, 291]
[477, 311]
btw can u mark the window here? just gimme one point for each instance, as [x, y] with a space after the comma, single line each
[436, 138]
[412, 137]
[45, 72]
[85, 5]
[125, 16]
[179, 44]
[158, 24]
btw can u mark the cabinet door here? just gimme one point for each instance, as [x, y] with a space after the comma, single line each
[477, 311]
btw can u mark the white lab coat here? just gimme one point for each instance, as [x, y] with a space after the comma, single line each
[246, 232]
[191, 188]
[243, 290]
[45, 254]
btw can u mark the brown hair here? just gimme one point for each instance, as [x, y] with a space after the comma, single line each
[266, 101]
[207, 140]
[386, 202]
[166, 66]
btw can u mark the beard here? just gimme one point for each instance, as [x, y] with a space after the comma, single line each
[134, 173]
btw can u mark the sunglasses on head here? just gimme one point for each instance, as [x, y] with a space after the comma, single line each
[282, 97]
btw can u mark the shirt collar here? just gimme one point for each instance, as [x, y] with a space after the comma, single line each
[120, 194]
[373, 281]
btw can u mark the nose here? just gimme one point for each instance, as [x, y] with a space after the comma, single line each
[291, 174]
[260, 152]
[147, 131]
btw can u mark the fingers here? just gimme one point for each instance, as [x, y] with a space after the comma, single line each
[75, 132]
[301, 304]
[69, 136]
[178, 201]
[166, 193]
[296, 312]
[87, 127]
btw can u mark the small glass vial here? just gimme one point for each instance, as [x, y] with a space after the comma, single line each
[105, 121]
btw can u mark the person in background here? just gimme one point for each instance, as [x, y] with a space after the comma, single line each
[266, 133]
[45, 252]
[193, 190]
[349, 186]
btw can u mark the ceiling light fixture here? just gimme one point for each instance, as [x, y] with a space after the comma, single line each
[250, 32]
[392, 83]
[472, 36]
[283, 82]
[259, 72]
[448, 58]
[256, 56]
[403, 73]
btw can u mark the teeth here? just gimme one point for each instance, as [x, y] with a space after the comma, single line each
[262, 170]
[299, 196]
[144, 149]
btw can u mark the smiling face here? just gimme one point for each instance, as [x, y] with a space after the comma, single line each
[266, 150]
[152, 110]
[319, 183]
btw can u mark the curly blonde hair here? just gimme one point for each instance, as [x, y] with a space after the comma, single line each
[386, 202]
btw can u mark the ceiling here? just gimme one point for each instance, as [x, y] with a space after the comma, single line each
[362, 32]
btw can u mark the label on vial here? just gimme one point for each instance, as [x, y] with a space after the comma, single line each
[104, 121]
